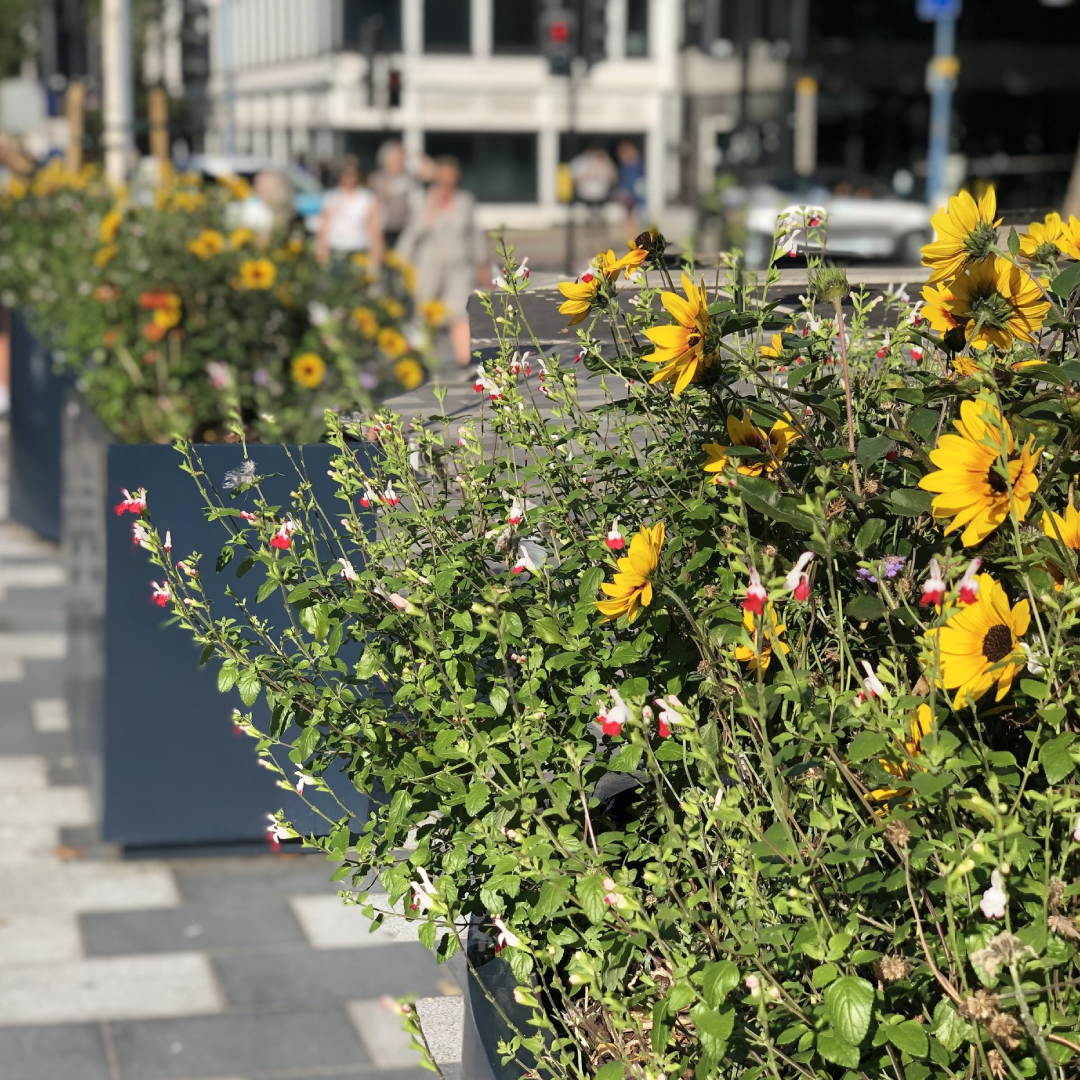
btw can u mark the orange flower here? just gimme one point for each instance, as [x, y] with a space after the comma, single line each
[153, 332]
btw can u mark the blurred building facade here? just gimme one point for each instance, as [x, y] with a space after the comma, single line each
[469, 78]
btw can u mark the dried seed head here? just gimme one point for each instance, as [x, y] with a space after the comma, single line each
[817, 680]
[836, 508]
[872, 486]
[890, 969]
[1056, 892]
[769, 551]
[981, 1006]
[1064, 926]
[703, 667]
[1004, 1027]
[812, 775]
[711, 591]
[997, 1065]
[831, 656]
[903, 585]
[897, 833]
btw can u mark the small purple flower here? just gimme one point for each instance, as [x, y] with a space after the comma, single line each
[894, 564]
[260, 377]
[866, 575]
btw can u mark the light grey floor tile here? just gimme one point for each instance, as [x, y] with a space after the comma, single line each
[22, 773]
[27, 843]
[50, 715]
[48, 806]
[380, 1029]
[85, 886]
[39, 939]
[329, 923]
[442, 1020]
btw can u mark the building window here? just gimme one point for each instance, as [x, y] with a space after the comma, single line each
[381, 18]
[637, 27]
[494, 167]
[517, 26]
[446, 26]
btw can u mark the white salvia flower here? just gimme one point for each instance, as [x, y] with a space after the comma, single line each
[347, 570]
[1034, 658]
[994, 901]
[318, 313]
[142, 537]
[789, 243]
[1076, 831]
[303, 780]
[872, 686]
[797, 581]
[530, 556]
[506, 938]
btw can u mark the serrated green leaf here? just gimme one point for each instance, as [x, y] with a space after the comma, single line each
[720, 978]
[309, 739]
[477, 798]
[866, 744]
[1055, 759]
[248, 684]
[832, 1048]
[849, 1004]
[823, 975]
[949, 1028]
[590, 894]
[226, 679]
[547, 630]
[909, 1037]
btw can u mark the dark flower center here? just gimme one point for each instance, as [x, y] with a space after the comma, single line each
[693, 341]
[1047, 253]
[979, 243]
[992, 308]
[643, 240]
[998, 643]
[996, 481]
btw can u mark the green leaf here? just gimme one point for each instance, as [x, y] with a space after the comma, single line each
[477, 798]
[678, 997]
[590, 582]
[511, 624]
[869, 535]
[927, 784]
[590, 894]
[949, 1028]
[1014, 243]
[764, 497]
[849, 1003]
[613, 1070]
[823, 975]
[909, 1037]
[248, 684]
[316, 620]
[547, 630]
[832, 1048]
[714, 1027]
[369, 663]
[1066, 281]
[500, 698]
[309, 739]
[721, 977]
[865, 608]
[444, 581]
[1054, 756]
[226, 679]
[866, 744]
[871, 450]
[911, 502]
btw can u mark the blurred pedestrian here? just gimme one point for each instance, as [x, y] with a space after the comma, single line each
[350, 219]
[449, 252]
[268, 209]
[630, 190]
[396, 189]
[594, 176]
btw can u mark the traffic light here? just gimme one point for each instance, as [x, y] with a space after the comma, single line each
[593, 30]
[394, 88]
[558, 32]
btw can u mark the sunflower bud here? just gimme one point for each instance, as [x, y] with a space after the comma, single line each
[831, 284]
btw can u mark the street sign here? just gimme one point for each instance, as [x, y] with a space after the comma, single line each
[932, 10]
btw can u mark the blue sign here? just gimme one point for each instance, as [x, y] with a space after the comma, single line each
[932, 10]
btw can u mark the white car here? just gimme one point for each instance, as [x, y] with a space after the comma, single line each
[866, 220]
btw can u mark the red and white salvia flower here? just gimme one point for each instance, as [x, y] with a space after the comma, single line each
[530, 556]
[969, 583]
[994, 901]
[520, 275]
[485, 384]
[789, 243]
[424, 893]
[131, 504]
[670, 712]
[282, 539]
[246, 515]
[815, 215]
[1076, 831]
[506, 938]
[160, 595]
[916, 317]
[756, 594]
[348, 572]
[277, 831]
[390, 496]
[872, 685]
[934, 587]
[168, 540]
[881, 353]
[797, 581]
[612, 720]
[303, 780]
[398, 601]
[612, 896]
[517, 511]
[916, 353]
[142, 537]
[615, 539]
[392, 1005]
[368, 497]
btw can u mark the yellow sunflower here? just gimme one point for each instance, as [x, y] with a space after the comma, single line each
[392, 342]
[744, 432]
[775, 348]
[308, 370]
[366, 322]
[716, 460]
[770, 639]
[394, 309]
[632, 588]
[167, 317]
[104, 256]
[239, 238]
[409, 373]
[207, 244]
[236, 186]
[980, 644]
[1007, 301]
[257, 274]
[1065, 530]
[680, 346]
[187, 202]
[971, 490]
[611, 267]
[1046, 240]
[110, 226]
[581, 296]
[922, 723]
[434, 312]
[966, 233]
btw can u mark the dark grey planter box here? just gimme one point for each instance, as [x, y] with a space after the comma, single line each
[162, 755]
[37, 397]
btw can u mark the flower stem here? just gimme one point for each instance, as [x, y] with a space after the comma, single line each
[847, 395]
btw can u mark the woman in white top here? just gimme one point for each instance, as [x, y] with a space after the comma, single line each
[350, 219]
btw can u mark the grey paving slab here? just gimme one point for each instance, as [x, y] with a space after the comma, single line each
[49, 887]
[200, 926]
[257, 878]
[442, 1020]
[238, 1045]
[39, 939]
[329, 923]
[302, 977]
[60, 1052]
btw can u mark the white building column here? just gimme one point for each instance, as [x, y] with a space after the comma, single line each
[117, 96]
[664, 133]
[412, 27]
[547, 162]
[481, 28]
[616, 30]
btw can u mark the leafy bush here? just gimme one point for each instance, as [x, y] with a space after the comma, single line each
[171, 320]
[742, 708]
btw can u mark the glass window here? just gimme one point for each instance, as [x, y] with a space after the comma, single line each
[637, 27]
[517, 26]
[446, 26]
[361, 17]
[495, 167]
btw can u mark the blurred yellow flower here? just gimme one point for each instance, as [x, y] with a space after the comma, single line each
[409, 373]
[392, 342]
[922, 723]
[187, 202]
[105, 255]
[167, 317]
[238, 238]
[16, 187]
[716, 460]
[394, 309]
[207, 244]
[236, 186]
[776, 345]
[434, 312]
[308, 370]
[776, 444]
[110, 226]
[580, 297]
[771, 630]
[1047, 240]
[257, 274]
[365, 321]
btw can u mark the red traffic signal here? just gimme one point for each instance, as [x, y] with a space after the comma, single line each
[559, 31]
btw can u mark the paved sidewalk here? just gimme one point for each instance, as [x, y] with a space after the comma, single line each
[239, 968]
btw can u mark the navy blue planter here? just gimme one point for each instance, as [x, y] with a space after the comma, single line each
[163, 757]
[37, 398]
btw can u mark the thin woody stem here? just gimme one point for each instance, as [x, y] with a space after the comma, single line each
[847, 396]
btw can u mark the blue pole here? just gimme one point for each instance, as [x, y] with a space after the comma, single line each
[940, 109]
